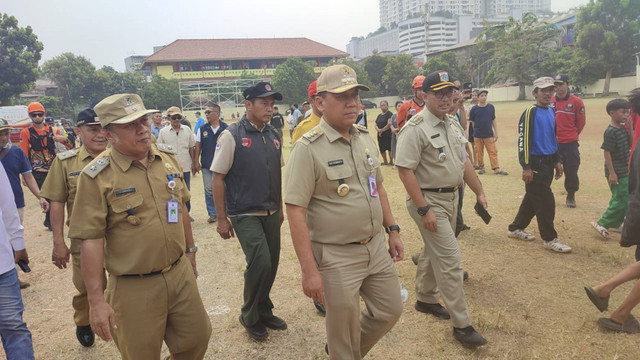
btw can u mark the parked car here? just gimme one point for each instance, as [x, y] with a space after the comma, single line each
[368, 104]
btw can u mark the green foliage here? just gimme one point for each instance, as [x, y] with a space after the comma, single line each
[74, 76]
[55, 107]
[608, 36]
[19, 55]
[399, 73]
[363, 76]
[292, 79]
[107, 81]
[161, 93]
[375, 66]
[518, 49]
[450, 63]
[249, 76]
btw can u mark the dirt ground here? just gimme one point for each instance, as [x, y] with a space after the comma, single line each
[527, 301]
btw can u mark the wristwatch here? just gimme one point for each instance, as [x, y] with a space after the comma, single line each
[194, 249]
[392, 228]
[423, 210]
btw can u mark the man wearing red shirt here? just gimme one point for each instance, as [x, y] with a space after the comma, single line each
[570, 120]
[413, 106]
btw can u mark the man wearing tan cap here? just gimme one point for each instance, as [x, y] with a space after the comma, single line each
[539, 158]
[432, 164]
[338, 210]
[131, 216]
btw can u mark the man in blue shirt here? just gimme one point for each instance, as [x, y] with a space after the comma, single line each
[156, 124]
[539, 157]
[199, 122]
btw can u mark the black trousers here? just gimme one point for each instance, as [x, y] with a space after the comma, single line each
[570, 155]
[538, 200]
[459, 218]
[40, 178]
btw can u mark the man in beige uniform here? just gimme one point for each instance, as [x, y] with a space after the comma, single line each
[60, 188]
[432, 163]
[131, 216]
[337, 207]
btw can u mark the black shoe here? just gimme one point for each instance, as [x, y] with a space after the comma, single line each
[85, 335]
[436, 309]
[257, 331]
[571, 200]
[326, 348]
[465, 275]
[274, 323]
[320, 307]
[469, 337]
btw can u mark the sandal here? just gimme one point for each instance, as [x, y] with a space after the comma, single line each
[601, 303]
[601, 230]
[630, 326]
[501, 172]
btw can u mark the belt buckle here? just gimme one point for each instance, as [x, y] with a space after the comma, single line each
[439, 190]
[166, 269]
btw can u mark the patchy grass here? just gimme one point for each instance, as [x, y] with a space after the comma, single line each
[528, 302]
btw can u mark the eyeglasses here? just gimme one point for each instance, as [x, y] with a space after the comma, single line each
[443, 93]
[176, 117]
[36, 114]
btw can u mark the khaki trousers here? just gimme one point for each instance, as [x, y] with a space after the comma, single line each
[161, 307]
[350, 272]
[490, 144]
[80, 302]
[439, 263]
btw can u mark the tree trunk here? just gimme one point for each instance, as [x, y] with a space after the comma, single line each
[607, 83]
[521, 95]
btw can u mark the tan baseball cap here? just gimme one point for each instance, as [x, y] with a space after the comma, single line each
[337, 79]
[543, 82]
[174, 110]
[120, 109]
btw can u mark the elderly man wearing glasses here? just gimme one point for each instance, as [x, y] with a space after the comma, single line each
[38, 143]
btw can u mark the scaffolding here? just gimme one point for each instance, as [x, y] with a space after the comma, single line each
[197, 95]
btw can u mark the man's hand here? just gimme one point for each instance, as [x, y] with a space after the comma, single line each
[429, 221]
[44, 205]
[527, 176]
[59, 138]
[102, 319]
[60, 255]
[495, 138]
[313, 286]
[225, 229]
[482, 200]
[396, 248]
[21, 255]
[559, 170]
[192, 259]
[613, 178]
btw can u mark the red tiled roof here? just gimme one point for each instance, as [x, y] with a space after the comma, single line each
[232, 49]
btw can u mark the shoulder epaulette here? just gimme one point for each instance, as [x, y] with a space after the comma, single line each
[313, 134]
[166, 148]
[67, 154]
[362, 128]
[415, 120]
[96, 166]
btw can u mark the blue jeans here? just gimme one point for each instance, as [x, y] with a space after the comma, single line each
[186, 176]
[16, 338]
[207, 177]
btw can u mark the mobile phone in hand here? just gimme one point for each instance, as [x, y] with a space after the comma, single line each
[24, 266]
[466, 90]
[482, 212]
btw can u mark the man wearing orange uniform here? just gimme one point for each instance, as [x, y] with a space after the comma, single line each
[413, 106]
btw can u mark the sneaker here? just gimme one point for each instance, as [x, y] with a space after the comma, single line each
[501, 172]
[571, 200]
[469, 337]
[557, 246]
[481, 171]
[601, 230]
[212, 219]
[520, 234]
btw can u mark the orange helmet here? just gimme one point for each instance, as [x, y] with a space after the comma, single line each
[35, 106]
[417, 82]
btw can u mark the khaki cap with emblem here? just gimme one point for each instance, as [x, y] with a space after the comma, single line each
[121, 109]
[337, 79]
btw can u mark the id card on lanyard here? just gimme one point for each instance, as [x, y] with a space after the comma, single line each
[172, 205]
[373, 185]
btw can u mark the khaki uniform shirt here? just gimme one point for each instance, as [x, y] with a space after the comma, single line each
[320, 161]
[62, 181]
[180, 142]
[420, 143]
[307, 124]
[125, 203]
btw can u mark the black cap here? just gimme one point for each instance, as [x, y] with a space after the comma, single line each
[561, 78]
[261, 89]
[437, 80]
[87, 117]
[49, 120]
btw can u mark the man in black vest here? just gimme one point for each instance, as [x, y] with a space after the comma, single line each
[247, 187]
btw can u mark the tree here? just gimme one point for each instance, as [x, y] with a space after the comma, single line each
[519, 48]
[54, 106]
[19, 55]
[450, 63]
[363, 76]
[161, 93]
[608, 36]
[292, 79]
[399, 73]
[374, 66]
[74, 76]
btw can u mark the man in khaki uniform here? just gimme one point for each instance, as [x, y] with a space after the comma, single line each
[131, 216]
[337, 207]
[60, 188]
[432, 163]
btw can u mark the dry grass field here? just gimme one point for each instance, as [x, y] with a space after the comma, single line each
[527, 301]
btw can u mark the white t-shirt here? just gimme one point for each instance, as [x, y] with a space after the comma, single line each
[11, 232]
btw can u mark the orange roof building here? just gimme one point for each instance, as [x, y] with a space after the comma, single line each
[227, 59]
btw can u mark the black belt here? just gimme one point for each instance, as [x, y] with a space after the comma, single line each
[156, 272]
[442, 190]
[363, 242]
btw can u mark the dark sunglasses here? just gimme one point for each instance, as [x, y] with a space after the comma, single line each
[36, 114]
[176, 117]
